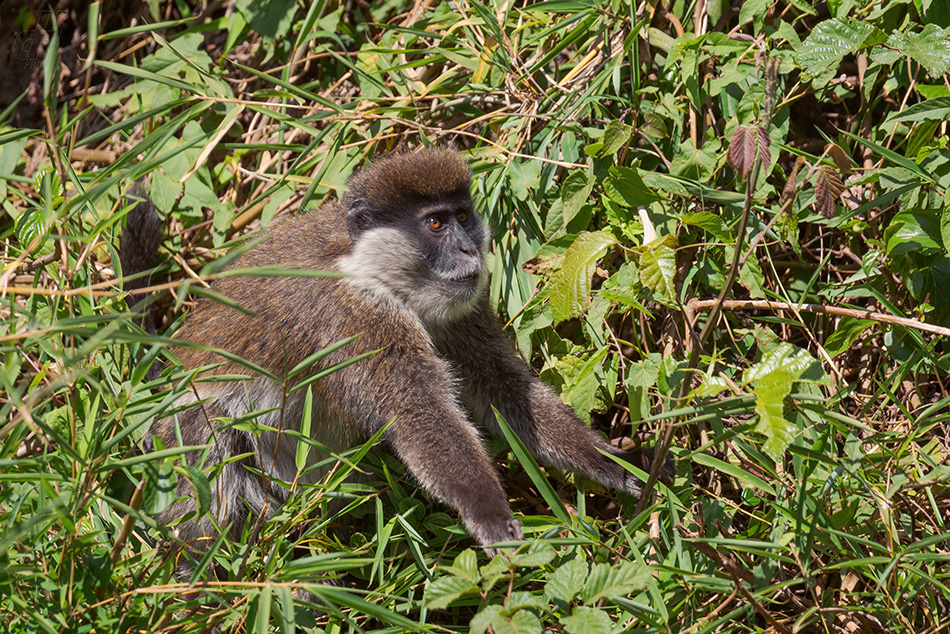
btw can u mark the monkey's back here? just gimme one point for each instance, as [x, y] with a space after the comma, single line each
[324, 311]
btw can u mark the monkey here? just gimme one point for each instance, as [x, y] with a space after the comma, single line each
[409, 295]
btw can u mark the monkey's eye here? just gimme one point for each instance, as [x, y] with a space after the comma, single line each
[462, 217]
[435, 223]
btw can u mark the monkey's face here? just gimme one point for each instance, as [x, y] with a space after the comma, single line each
[452, 240]
[429, 256]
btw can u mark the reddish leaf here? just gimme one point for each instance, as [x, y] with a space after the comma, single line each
[741, 151]
[791, 185]
[828, 187]
[840, 157]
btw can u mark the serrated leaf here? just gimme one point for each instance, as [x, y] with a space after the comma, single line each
[829, 42]
[441, 592]
[608, 581]
[658, 271]
[770, 393]
[929, 48]
[840, 157]
[538, 555]
[570, 285]
[945, 230]
[775, 374]
[828, 187]
[465, 566]
[625, 187]
[783, 356]
[567, 581]
[584, 620]
[574, 193]
[481, 621]
[521, 599]
[741, 151]
[521, 622]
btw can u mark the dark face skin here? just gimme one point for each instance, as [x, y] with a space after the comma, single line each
[450, 237]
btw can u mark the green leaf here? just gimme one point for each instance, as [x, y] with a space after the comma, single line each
[567, 581]
[658, 271]
[534, 472]
[695, 163]
[930, 110]
[539, 554]
[587, 385]
[929, 48]
[574, 193]
[303, 449]
[770, 393]
[583, 620]
[608, 581]
[847, 332]
[570, 285]
[710, 222]
[625, 187]
[263, 603]
[914, 232]
[200, 486]
[441, 592]
[483, 620]
[775, 374]
[162, 486]
[31, 229]
[465, 566]
[524, 177]
[615, 137]
[521, 622]
[828, 43]
[521, 599]
[738, 473]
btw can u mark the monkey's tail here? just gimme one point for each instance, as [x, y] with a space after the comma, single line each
[138, 252]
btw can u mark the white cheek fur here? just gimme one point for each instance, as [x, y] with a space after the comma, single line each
[383, 264]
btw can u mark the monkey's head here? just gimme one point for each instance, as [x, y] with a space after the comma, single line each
[416, 236]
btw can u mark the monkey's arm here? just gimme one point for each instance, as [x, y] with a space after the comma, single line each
[494, 375]
[432, 435]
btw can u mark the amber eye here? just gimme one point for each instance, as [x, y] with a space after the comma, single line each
[462, 217]
[434, 223]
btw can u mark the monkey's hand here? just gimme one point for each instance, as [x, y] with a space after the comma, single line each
[493, 528]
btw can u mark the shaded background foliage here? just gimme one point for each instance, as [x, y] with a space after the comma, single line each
[718, 226]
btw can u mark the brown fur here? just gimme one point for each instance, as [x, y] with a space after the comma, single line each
[428, 362]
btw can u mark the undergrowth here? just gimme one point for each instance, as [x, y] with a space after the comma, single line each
[719, 230]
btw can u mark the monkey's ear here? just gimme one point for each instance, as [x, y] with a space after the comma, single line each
[359, 215]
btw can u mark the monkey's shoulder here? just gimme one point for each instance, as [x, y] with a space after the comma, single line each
[314, 239]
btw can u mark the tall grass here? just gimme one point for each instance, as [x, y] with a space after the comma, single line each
[617, 151]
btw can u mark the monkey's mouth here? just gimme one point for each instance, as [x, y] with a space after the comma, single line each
[466, 279]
